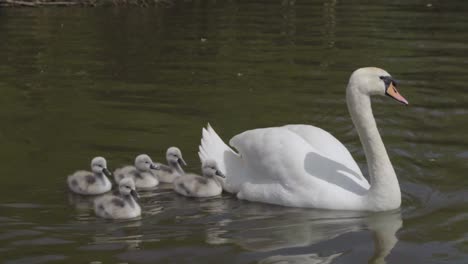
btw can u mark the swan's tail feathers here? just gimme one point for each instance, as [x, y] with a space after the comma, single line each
[213, 147]
[228, 161]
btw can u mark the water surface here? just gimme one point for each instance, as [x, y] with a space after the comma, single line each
[117, 82]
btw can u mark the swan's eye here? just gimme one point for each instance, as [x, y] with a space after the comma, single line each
[388, 80]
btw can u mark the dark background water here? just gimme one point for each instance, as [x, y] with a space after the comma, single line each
[77, 83]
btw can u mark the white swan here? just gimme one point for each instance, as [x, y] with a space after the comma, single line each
[140, 173]
[175, 161]
[91, 182]
[305, 166]
[123, 206]
[200, 186]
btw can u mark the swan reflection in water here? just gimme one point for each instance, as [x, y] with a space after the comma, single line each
[288, 231]
[274, 234]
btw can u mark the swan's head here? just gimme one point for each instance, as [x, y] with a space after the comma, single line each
[174, 157]
[127, 187]
[99, 165]
[375, 81]
[210, 169]
[144, 163]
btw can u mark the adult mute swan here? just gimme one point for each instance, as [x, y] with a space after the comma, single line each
[305, 166]
[91, 182]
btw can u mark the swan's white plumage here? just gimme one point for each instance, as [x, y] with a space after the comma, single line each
[265, 172]
[305, 166]
[326, 144]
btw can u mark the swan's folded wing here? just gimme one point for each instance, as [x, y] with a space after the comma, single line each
[328, 146]
[303, 176]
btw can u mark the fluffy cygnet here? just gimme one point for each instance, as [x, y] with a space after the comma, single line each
[121, 206]
[200, 186]
[141, 173]
[91, 182]
[167, 173]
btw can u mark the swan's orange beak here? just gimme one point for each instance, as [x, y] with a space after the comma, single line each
[392, 92]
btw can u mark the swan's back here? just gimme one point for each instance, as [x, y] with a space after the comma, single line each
[282, 166]
[276, 151]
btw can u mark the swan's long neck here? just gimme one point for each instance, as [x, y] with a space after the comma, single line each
[384, 192]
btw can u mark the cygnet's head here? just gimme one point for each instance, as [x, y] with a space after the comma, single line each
[375, 81]
[127, 187]
[174, 157]
[144, 163]
[210, 169]
[99, 165]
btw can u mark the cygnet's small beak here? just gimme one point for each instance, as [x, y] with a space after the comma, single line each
[392, 92]
[135, 194]
[220, 174]
[106, 172]
[182, 161]
[155, 166]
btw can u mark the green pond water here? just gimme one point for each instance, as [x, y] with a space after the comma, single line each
[80, 82]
